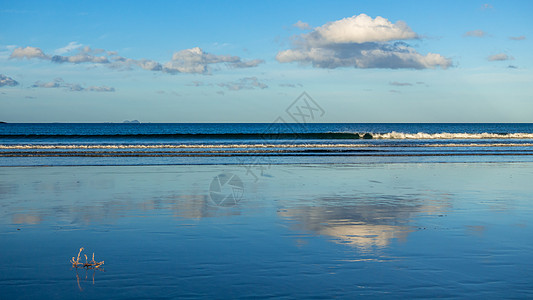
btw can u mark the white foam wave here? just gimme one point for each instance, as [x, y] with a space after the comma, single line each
[450, 136]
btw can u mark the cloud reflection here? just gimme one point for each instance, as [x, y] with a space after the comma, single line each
[364, 222]
[109, 210]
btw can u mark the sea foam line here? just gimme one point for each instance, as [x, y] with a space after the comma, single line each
[250, 146]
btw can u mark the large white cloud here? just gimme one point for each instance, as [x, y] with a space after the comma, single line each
[7, 81]
[360, 42]
[360, 29]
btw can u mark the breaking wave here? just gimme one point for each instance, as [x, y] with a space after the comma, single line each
[250, 146]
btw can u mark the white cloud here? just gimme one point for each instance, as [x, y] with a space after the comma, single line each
[29, 53]
[193, 60]
[150, 65]
[7, 81]
[301, 25]
[475, 33]
[360, 42]
[246, 83]
[486, 6]
[360, 29]
[84, 55]
[247, 64]
[499, 57]
[80, 58]
[71, 46]
[517, 38]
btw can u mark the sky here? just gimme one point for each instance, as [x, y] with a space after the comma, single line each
[247, 61]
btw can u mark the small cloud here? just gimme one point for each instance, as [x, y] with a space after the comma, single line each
[512, 67]
[100, 89]
[290, 85]
[71, 46]
[30, 97]
[395, 91]
[73, 87]
[28, 53]
[7, 81]
[486, 6]
[58, 82]
[396, 83]
[247, 64]
[195, 60]
[499, 57]
[517, 38]
[197, 83]
[149, 65]
[246, 83]
[86, 54]
[220, 92]
[160, 92]
[301, 25]
[475, 33]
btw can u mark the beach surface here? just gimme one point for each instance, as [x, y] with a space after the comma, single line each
[449, 230]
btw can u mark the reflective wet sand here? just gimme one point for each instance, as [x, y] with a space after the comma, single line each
[452, 230]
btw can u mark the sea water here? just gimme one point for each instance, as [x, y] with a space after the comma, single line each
[274, 143]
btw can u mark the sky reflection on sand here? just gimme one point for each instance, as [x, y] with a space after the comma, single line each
[408, 230]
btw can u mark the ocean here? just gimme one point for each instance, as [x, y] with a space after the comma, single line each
[260, 143]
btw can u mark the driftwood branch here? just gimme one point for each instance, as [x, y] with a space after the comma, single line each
[92, 264]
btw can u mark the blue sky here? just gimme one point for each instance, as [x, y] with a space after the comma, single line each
[246, 61]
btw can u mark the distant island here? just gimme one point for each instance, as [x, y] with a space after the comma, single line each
[132, 122]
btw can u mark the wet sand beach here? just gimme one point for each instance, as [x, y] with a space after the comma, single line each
[408, 230]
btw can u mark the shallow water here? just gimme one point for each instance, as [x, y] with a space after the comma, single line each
[449, 230]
